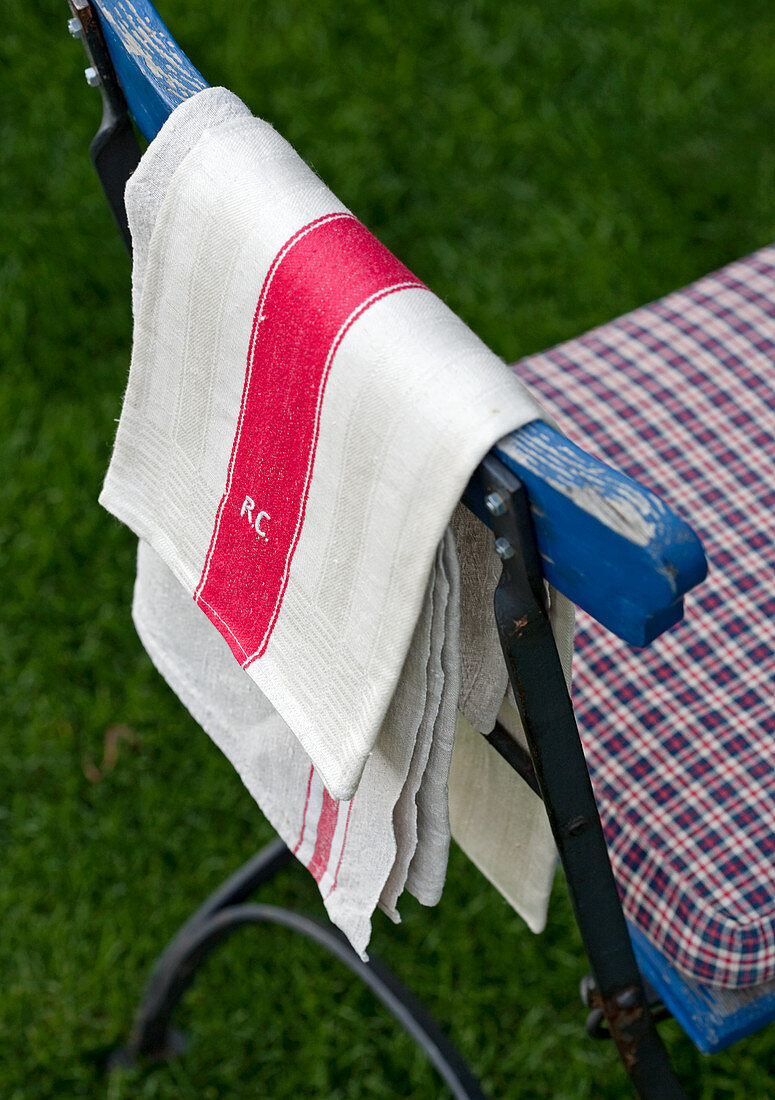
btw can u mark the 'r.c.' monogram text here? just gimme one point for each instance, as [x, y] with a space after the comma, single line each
[248, 506]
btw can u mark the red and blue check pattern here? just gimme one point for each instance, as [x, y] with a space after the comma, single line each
[680, 737]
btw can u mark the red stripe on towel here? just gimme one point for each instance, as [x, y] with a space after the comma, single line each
[306, 807]
[341, 852]
[329, 814]
[324, 278]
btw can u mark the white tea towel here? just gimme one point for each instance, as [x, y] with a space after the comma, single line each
[301, 418]
[300, 498]
[353, 848]
[349, 847]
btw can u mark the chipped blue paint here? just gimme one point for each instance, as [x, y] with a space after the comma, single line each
[153, 70]
[608, 543]
[712, 1018]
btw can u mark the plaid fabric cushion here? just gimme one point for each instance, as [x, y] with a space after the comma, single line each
[680, 737]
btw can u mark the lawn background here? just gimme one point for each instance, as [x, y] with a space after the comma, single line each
[544, 166]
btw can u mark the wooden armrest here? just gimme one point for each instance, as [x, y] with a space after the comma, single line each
[606, 542]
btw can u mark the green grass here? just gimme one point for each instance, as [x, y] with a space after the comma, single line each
[544, 166]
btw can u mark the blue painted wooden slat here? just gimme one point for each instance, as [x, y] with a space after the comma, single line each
[152, 69]
[608, 543]
[712, 1018]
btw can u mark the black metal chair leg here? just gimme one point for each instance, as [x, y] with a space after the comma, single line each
[153, 1037]
[238, 887]
[563, 779]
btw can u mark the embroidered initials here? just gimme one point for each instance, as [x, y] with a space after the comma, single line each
[248, 505]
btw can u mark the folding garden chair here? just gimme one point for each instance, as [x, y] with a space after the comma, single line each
[676, 736]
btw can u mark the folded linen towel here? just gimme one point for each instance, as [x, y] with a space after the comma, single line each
[349, 847]
[360, 851]
[301, 497]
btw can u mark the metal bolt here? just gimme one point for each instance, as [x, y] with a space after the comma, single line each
[628, 998]
[504, 549]
[587, 990]
[75, 28]
[495, 504]
[576, 825]
[92, 77]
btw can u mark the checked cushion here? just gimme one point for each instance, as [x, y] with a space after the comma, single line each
[680, 736]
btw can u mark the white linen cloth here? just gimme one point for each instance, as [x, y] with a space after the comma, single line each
[302, 416]
[349, 847]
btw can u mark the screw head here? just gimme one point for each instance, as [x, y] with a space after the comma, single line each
[587, 990]
[495, 504]
[576, 826]
[504, 549]
[92, 77]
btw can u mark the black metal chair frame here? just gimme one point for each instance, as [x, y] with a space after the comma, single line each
[555, 768]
